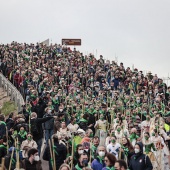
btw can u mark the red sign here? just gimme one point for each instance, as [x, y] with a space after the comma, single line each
[71, 41]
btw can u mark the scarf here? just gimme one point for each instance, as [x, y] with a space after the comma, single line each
[110, 168]
[22, 134]
[100, 159]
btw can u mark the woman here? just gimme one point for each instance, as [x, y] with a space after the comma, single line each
[148, 148]
[109, 160]
[64, 132]
[140, 161]
[78, 152]
[28, 144]
[127, 149]
[101, 126]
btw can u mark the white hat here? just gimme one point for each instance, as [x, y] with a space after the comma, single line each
[80, 131]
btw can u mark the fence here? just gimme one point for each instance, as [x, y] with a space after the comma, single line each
[12, 91]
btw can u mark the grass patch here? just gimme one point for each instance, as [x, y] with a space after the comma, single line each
[8, 107]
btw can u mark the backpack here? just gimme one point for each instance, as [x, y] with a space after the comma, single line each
[7, 162]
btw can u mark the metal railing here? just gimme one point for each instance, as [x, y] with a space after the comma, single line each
[12, 91]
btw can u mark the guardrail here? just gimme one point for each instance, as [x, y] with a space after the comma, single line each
[12, 91]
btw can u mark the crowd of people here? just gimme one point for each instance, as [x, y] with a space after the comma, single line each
[93, 113]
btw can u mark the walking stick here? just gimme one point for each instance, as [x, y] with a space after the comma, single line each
[51, 154]
[54, 161]
[90, 151]
[72, 153]
[11, 158]
[7, 139]
[17, 155]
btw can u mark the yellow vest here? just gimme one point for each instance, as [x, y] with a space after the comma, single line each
[167, 127]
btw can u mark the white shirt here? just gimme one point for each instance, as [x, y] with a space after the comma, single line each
[113, 149]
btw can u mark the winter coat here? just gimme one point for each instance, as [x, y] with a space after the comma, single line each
[140, 160]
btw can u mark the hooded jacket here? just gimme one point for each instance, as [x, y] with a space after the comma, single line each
[140, 160]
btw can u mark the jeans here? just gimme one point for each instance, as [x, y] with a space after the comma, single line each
[39, 143]
[48, 134]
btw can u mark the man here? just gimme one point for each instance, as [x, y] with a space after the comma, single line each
[139, 160]
[82, 162]
[60, 152]
[95, 144]
[28, 144]
[120, 165]
[36, 129]
[98, 163]
[32, 162]
[48, 125]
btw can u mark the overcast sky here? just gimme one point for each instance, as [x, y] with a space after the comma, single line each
[136, 31]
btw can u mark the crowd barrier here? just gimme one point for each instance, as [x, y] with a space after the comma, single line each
[12, 91]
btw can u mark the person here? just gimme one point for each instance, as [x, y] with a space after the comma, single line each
[98, 163]
[133, 136]
[88, 136]
[139, 159]
[113, 147]
[101, 129]
[32, 162]
[120, 165]
[126, 149]
[149, 148]
[64, 167]
[83, 124]
[3, 148]
[162, 152]
[109, 160]
[27, 144]
[2, 126]
[82, 162]
[60, 152]
[95, 144]
[36, 129]
[64, 132]
[48, 126]
[22, 134]
[73, 126]
[79, 151]
[167, 127]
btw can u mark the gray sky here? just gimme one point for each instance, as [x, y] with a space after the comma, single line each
[136, 31]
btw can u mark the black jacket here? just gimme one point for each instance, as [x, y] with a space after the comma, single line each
[38, 122]
[140, 161]
[60, 154]
[48, 125]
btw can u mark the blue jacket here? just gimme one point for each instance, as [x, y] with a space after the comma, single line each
[96, 165]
